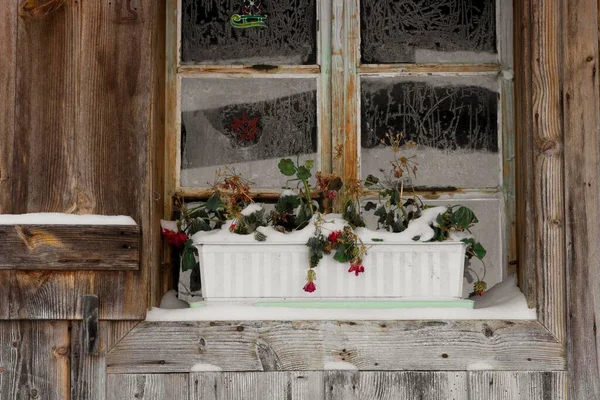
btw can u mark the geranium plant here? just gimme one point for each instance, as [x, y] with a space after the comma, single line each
[304, 204]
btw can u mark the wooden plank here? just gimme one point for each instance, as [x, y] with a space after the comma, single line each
[256, 385]
[88, 373]
[525, 204]
[351, 48]
[341, 385]
[34, 360]
[429, 69]
[153, 241]
[273, 71]
[581, 99]
[8, 70]
[496, 385]
[411, 385]
[149, 387]
[337, 87]
[66, 247]
[44, 170]
[549, 213]
[168, 347]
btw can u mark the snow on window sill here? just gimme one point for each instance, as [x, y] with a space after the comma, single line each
[503, 302]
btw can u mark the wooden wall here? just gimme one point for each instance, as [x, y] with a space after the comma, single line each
[81, 131]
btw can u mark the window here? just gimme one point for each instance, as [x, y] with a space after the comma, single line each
[327, 80]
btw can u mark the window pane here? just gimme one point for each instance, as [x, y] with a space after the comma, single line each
[288, 37]
[248, 124]
[407, 31]
[454, 122]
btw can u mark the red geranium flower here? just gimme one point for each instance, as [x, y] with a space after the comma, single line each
[176, 239]
[232, 228]
[334, 236]
[310, 287]
[356, 266]
[332, 195]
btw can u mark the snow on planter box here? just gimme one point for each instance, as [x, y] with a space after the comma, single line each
[396, 267]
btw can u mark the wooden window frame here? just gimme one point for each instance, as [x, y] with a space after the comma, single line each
[414, 345]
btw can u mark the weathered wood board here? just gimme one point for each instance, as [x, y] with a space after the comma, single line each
[88, 373]
[65, 247]
[257, 385]
[147, 387]
[85, 82]
[581, 102]
[170, 347]
[34, 360]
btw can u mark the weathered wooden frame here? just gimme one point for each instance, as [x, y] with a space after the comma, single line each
[173, 347]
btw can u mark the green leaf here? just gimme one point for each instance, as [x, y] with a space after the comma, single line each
[395, 197]
[479, 251]
[341, 253]
[371, 180]
[381, 212]
[303, 173]
[287, 203]
[376, 240]
[309, 164]
[370, 206]
[259, 236]
[464, 217]
[188, 261]
[214, 202]
[287, 167]
[416, 238]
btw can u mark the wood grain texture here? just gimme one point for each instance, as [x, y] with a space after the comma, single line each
[361, 385]
[495, 385]
[44, 169]
[8, 73]
[57, 295]
[351, 47]
[168, 347]
[66, 247]
[88, 373]
[548, 166]
[256, 385]
[582, 184]
[337, 87]
[85, 82]
[147, 387]
[525, 194]
[34, 360]
[153, 241]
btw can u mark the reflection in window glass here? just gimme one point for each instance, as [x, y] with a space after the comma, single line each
[405, 31]
[284, 33]
[453, 121]
[248, 124]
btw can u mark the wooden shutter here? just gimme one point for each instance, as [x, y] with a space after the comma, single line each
[78, 122]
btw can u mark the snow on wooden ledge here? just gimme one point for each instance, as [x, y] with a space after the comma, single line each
[64, 219]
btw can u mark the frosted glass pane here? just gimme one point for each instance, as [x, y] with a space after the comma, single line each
[454, 122]
[248, 124]
[285, 33]
[406, 31]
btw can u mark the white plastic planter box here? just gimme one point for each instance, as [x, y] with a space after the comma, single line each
[271, 271]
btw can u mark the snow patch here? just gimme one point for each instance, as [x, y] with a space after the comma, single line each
[419, 227]
[170, 301]
[502, 302]
[201, 367]
[479, 366]
[64, 219]
[339, 365]
[288, 192]
[169, 225]
[251, 209]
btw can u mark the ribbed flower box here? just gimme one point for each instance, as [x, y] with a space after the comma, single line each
[277, 271]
